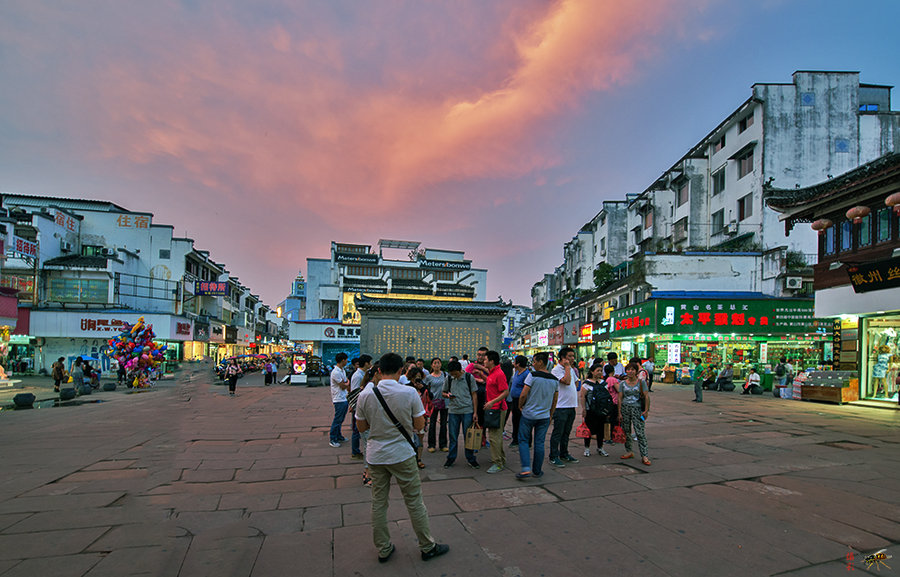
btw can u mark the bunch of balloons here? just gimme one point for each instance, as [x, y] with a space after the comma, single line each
[135, 350]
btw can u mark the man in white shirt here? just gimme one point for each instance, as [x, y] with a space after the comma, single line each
[364, 363]
[649, 367]
[339, 387]
[390, 454]
[564, 416]
[618, 368]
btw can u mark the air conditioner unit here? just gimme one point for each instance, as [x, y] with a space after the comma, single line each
[731, 228]
[65, 246]
[793, 283]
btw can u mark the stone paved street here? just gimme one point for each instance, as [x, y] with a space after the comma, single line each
[184, 480]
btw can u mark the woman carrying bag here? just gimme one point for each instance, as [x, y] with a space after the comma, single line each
[232, 374]
[632, 394]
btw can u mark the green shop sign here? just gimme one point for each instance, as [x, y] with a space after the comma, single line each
[701, 316]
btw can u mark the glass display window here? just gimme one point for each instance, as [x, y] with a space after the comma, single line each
[881, 358]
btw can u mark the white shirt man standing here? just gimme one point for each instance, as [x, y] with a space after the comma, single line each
[390, 454]
[564, 416]
[339, 387]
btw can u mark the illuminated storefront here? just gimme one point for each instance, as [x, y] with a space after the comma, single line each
[745, 333]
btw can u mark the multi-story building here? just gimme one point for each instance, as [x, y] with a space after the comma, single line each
[96, 265]
[399, 269]
[702, 224]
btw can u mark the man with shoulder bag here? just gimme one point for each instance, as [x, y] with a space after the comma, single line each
[393, 414]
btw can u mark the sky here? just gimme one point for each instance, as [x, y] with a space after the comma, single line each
[266, 130]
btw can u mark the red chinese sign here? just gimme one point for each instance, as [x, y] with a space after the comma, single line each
[65, 221]
[102, 325]
[183, 328]
[722, 319]
[23, 247]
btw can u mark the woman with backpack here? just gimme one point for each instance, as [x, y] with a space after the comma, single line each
[597, 407]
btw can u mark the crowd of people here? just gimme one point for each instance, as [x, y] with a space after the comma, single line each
[399, 409]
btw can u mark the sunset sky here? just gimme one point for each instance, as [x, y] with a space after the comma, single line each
[264, 130]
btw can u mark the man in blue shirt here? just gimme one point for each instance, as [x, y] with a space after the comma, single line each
[538, 403]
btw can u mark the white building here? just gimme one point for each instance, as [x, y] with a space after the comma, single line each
[98, 265]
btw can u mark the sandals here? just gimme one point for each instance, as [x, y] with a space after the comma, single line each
[645, 460]
[367, 480]
[627, 456]
[421, 465]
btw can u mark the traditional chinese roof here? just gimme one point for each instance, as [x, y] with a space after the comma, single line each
[79, 261]
[869, 176]
[368, 304]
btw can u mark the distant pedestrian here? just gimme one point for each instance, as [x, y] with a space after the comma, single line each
[538, 404]
[564, 417]
[339, 387]
[479, 372]
[697, 378]
[390, 455]
[649, 367]
[633, 394]
[77, 375]
[232, 374]
[464, 362]
[268, 376]
[121, 373]
[58, 372]
[435, 381]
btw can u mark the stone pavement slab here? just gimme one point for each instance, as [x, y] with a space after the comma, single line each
[186, 481]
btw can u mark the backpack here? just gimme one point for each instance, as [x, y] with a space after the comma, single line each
[780, 370]
[599, 401]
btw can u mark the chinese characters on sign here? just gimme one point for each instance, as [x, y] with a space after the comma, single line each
[23, 247]
[182, 328]
[875, 275]
[587, 333]
[204, 288]
[133, 221]
[65, 221]
[102, 325]
[632, 323]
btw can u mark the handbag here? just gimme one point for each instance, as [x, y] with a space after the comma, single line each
[492, 418]
[394, 419]
[427, 403]
[582, 431]
[473, 438]
[618, 434]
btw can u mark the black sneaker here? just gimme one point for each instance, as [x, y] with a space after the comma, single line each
[388, 556]
[569, 459]
[448, 464]
[436, 551]
[474, 465]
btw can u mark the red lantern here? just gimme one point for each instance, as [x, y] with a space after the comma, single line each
[857, 213]
[893, 201]
[821, 224]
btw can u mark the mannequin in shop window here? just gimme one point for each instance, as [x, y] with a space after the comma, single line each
[882, 359]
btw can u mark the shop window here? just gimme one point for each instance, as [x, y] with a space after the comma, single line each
[884, 225]
[846, 236]
[74, 290]
[880, 355]
[865, 231]
[90, 250]
[829, 240]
